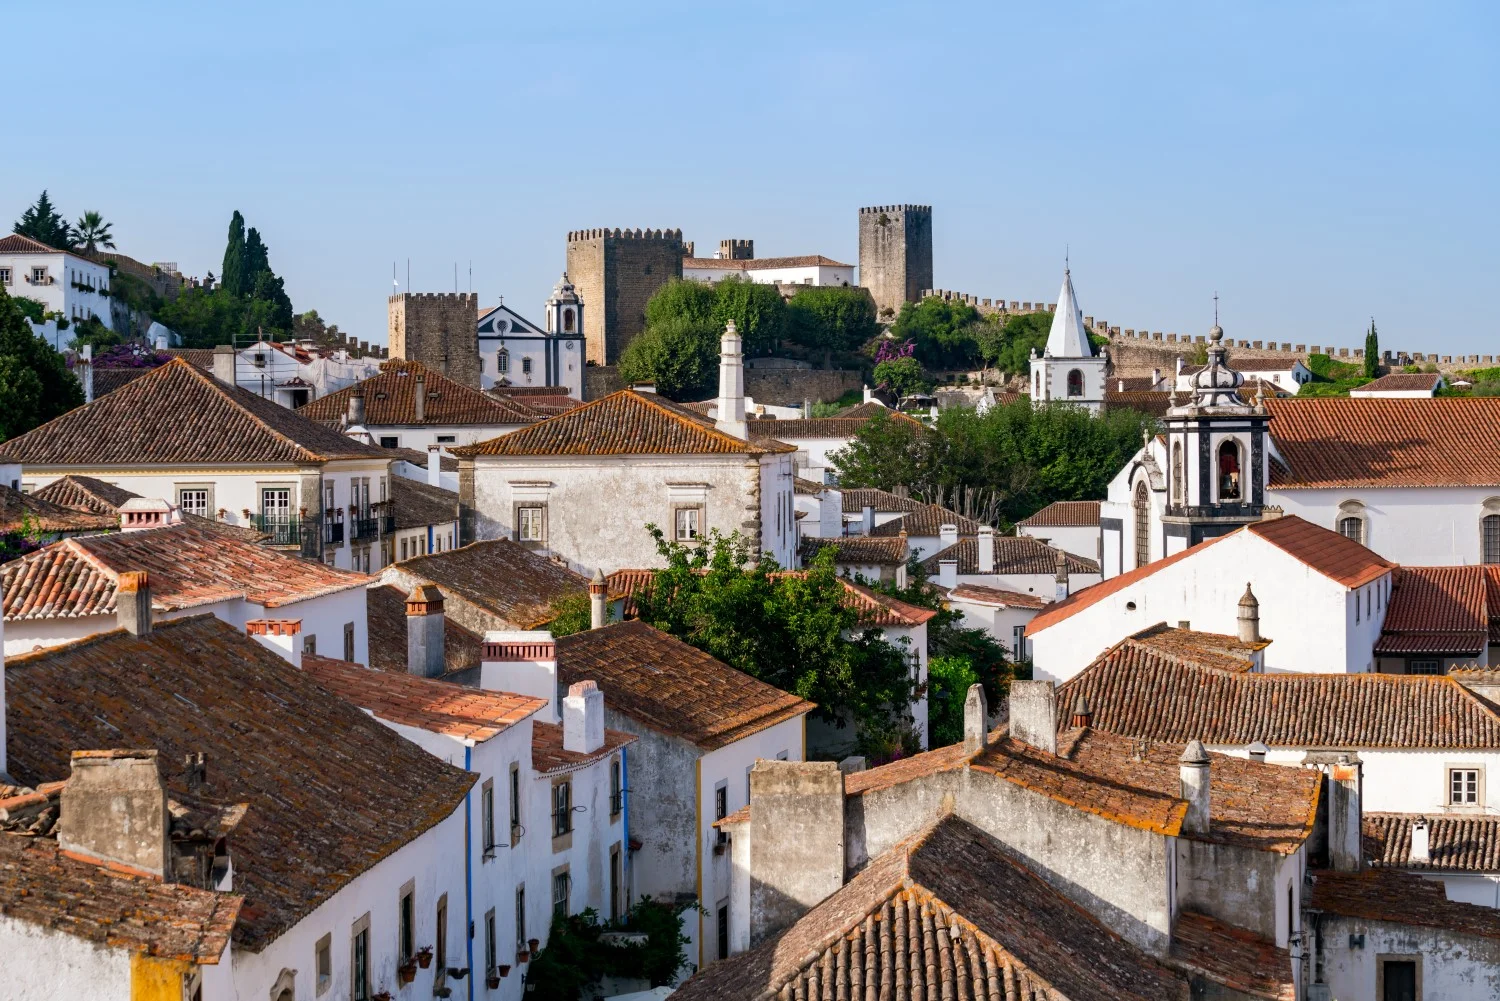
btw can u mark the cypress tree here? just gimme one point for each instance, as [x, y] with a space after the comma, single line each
[43, 223]
[257, 259]
[235, 280]
[1372, 352]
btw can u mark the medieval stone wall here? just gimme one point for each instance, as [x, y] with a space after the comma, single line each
[895, 254]
[438, 329]
[616, 271]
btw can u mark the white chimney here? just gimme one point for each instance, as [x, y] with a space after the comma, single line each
[1421, 849]
[434, 466]
[867, 519]
[147, 512]
[281, 636]
[731, 418]
[85, 365]
[976, 719]
[161, 340]
[114, 809]
[948, 573]
[598, 599]
[1248, 617]
[583, 718]
[948, 536]
[425, 632]
[986, 549]
[1193, 779]
[224, 364]
[523, 662]
[1155, 377]
[1033, 714]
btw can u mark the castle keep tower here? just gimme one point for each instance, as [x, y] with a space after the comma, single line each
[616, 271]
[438, 329]
[895, 254]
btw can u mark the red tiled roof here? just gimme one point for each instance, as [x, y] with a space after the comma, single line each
[1150, 402]
[1237, 958]
[857, 550]
[549, 758]
[85, 493]
[178, 414]
[1014, 554]
[1436, 610]
[672, 687]
[879, 609]
[1146, 693]
[1402, 382]
[414, 504]
[1333, 555]
[429, 704]
[1402, 898]
[391, 399]
[385, 608]
[928, 521]
[15, 243]
[805, 486]
[856, 499]
[1343, 442]
[807, 427]
[189, 566]
[1063, 514]
[1215, 651]
[500, 576]
[759, 263]
[980, 594]
[622, 423]
[1455, 842]
[27, 512]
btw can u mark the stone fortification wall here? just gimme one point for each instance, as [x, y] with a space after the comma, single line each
[438, 329]
[616, 271]
[895, 254]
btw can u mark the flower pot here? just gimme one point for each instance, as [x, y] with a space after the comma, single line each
[534, 943]
[504, 969]
[522, 956]
[492, 981]
[406, 973]
[424, 957]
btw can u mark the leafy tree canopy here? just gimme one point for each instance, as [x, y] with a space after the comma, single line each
[33, 309]
[831, 318]
[680, 356]
[1007, 344]
[42, 222]
[681, 300]
[92, 232]
[758, 311]
[902, 376]
[942, 330]
[35, 384]
[204, 318]
[1372, 353]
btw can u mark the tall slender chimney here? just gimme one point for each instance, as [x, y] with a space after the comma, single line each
[867, 520]
[224, 361]
[948, 574]
[1193, 775]
[732, 384]
[1249, 617]
[356, 413]
[1033, 714]
[133, 603]
[1062, 575]
[583, 718]
[419, 397]
[424, 631]
[1421, 845]
[796, 840]
[976, 719]
[986, 544]
[947, 536]
[85, 365]
[434, 465]
[598, 597]
[1345, 813]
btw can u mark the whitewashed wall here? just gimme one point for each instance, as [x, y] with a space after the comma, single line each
[1080, 540]
[1418, 526]
[44, 964]
[1407, 780]
[420, 436]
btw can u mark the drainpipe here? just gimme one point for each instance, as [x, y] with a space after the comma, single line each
[469, 879]
[627, 866]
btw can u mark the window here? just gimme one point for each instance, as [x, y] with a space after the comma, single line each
[1142, 525]
[1489, 535]
[442, 938]
[562, 809]
[1463, 787]
[38, 276]
[1229, 471]
[525, 366]
[446, 439]
[487, 817]
[359, 960]
[309, 643]
[531, 525]
[562, 885]
[5, 278]
[721, 810]
[616, 883]
[515, 803]
[323, 963]
[489, 942]
[616, 789]
[349, 635]
[1398, 980]
[1075, 382]
[390, 441]
[567, 319]
[194, 500]
[521, 917]
[406, 942]
[1178, 485]
[1018, 642]
[689, 522]
[502, 362]
[1352, 527]
[276, 505]
[403, 548]
[721, 929]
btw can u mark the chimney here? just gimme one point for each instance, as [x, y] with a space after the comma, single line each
[731, 419]
[224, 360]
[85, 366]
[1249, 617]
[523, 662]
[145, 512]
[356, 415]
[947, 536]
[281, 636]
[806, 408]
[434, 466]
[1193, 777]
[976, 720]
[948, 574]
[1421, 846]
[424, 631]
[1083, 716]
[114, 809]
[867, 519]
[986, 549]
[598, 598]
[133, 603]
[1061, 576]
[1258, 751]
[419, 397]
[1155, 377]
[1345, 813]
[1033, 714]
[583, 718]
[796, 840]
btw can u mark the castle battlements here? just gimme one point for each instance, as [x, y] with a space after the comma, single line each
[576, 235]
[457, 298]
[896, 208]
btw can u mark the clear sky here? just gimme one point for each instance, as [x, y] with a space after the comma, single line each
[1314, 163]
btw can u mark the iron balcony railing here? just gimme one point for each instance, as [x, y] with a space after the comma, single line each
[333, 533]
[284, 531]
[364, 528]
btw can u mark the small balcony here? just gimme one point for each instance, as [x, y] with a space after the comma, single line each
[364, 528]
[333, 533]
[283, 530]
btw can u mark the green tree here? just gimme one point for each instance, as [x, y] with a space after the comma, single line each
[35, 384]
[948, 681]
[93, 331]
[1372, 352]
[33, 309]
[902, 376]
[43, 223]
[830, 318]
[758, 311]
[1007, 344]
[573, 614]
[942, 330]
[681, 300]
[236, 277]
[204, 319]
[679, 356]
[577, 957]
[91, 232]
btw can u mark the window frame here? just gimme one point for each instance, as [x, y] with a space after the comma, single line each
[517, 829]
[562, 808]
[1472, 785]
[1420, 667]
[721, 810]
[616, 788]
[487, 819]
[206, 489]
[562, 891]
[323, 964]
[1489, 553]
[520, 916]
[491, 943]
[700, 512]
[538, 521]
[406, 922]
[1234, 446]
[359, 968]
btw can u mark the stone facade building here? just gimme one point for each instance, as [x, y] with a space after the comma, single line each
[616, 271]
[438, 329]
[895, 254]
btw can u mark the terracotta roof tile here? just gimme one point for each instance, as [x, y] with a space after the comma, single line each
[1145, 693]
[1343, 442]
[672, 687]
[623, 423]
[107, 380]
[391, 398]
[1402, 382]
[807, 427]
[1063, 514]
[805, 486]
[1455, 842]
[927, 520]
[857, 550]
[499, 576]
[856, 499]
[1234, 957]
[40, 885]
[178, 414]
[319, 813]
[1014, 554]
[1403, 898]
[89, 494]
[956, 916]
[429, 704]
[416, 505]
[385, 608]
[15, 243]
[1150, 403]
[189, 566]
[22, 512]
[1333, 555]
[996, 596]
[1214, 651]
[549, 758]
[1441, 610]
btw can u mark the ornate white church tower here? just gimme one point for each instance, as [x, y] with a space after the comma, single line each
[1069, 370]
[565, 309]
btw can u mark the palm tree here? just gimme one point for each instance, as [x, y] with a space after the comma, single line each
[92, 232]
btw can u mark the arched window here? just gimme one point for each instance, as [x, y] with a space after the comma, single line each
[1489, 537]
[1177, 482]
[567, 321]
[502, 361]
[1075, 382]
[1351, 521]
[1142, 525]
[1229, 471]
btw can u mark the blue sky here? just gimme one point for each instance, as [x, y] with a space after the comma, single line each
[1313, 163]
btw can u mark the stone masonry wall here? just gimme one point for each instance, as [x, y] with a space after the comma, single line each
[790, 387]
[895, 254]
[438, 329]
[616, 271]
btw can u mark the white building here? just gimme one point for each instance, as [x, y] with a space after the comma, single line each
[811, 269]
[219, 452]
[1012, 563]
[73, 287]
[513, 351]
[1401, 386]
[819, 509]
[289, 373]
[1072, 526]
[1001, 613]
[1286, 374]
[585, 484]
[1069, 369]
[928, 528]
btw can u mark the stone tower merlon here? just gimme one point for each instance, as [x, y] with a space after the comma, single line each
[895, 255]
[438, 329]
[737, 250]
[616, 271]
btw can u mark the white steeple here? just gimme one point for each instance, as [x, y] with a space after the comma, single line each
[731, 408]
[1067, 338]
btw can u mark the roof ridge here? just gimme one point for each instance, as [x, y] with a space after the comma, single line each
[681, 418]
[95, 638]
[216, 386]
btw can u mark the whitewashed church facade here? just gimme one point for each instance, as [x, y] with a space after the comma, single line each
[1069, 370]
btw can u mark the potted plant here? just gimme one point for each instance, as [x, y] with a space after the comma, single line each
[522, 956]
[535, 944]
[442, 992]
[424, 956]
[407, 972]
[492, 981]
[382, 996]
[504, 969]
